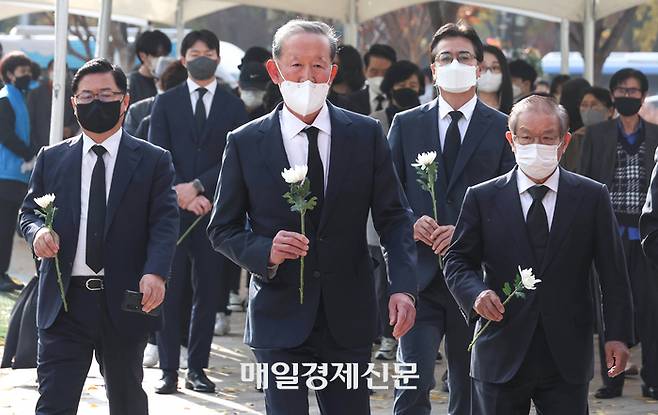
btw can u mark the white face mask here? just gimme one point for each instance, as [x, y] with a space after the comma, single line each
[252, 98]
[516, 91]
[537, 161]
[303, 97]
[456, 77]
[490, 82]
[375, 82]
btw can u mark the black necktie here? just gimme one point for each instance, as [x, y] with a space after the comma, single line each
[452, 143]
[537, 222]
[315, 173]
[380, 102]
[96, 212]
[200, 110]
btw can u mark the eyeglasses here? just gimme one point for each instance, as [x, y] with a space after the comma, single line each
[103, 96]
[446, 58]
[546, 140]
[494, 69]
[627, 92]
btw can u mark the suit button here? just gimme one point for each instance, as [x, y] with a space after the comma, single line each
[316, 274]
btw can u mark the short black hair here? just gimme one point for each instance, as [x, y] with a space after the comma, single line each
[206, 36]
[350, 68]
[601, 94]
[154, 43]
[459, 29]
[10, 62]
[521, 69]
[557, 82]
[100, 65]
[381, 51]
[255, 54]
[627, 73]
[174, 75]
[401, 71]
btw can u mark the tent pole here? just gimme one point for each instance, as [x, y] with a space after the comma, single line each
[59, 71]
[588, 28]
[351, 32]
[180, 25]
[564, 46]
[103, 34]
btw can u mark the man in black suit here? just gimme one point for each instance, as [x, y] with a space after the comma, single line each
[557, 223]
[350, 172]
[115, 230]
[192, 121]
[370, 98]
[468, 138]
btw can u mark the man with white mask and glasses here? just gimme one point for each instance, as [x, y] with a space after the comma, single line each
[468, 137]
[350, 173]
[553, 224]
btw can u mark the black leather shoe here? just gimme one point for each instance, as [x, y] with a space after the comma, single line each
[198, 381]
[168, 383]
[7, 284]
[650, 392]
[607, 393]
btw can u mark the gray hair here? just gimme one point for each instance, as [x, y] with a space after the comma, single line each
[538, 103]
[297, 26]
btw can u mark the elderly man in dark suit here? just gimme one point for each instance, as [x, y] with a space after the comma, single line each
[557, 223]
[350, 172]
[468, 137]
[620, 154]
[115, 230]
[192, 121]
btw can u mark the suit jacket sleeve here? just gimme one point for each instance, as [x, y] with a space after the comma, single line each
[649, 219]
[393, 220]
[611, 266]
[159, 133]
[464, 258]
[397, 154]
[30, 221]
[226, 229]
[163, 219]
[507, 161]
[210, 176]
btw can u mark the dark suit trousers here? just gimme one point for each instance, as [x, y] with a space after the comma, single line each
[320, 347]
[197, 262]
[644, 285]
[65, 353]
[437, 315]
[538, 380]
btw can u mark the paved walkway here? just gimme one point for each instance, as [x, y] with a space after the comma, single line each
[18, 389]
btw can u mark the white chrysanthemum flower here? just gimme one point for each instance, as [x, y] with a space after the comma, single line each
[528, 279]
[295, 174]
[45, 201]
[424, 159]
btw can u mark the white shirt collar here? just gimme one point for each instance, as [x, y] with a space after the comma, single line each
[291, 125]
[111, 144]
[466, 109]
[524, 182]
[193, 86]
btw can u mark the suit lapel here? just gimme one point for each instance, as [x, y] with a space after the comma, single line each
[272, 149]
[566, 206]
[508, 205]
[429, 126]
[128, 158]
[339, 160]
[474, 134]
[73, 170]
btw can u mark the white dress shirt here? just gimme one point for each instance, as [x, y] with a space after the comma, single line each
[80, 267]
[207, 97]
[524, 183]
[296, 143]
[445, 119]
[372, 96]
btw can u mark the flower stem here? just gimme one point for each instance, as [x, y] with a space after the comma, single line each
[436, 216]
[187, 232]
[301, 265]
[60, 283]
[477, 335]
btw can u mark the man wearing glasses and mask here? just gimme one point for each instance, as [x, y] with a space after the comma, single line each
[468, 137]
[115, 230]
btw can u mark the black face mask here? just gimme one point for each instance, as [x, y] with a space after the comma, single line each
[98, 116]
[405, 98]
[628, 106]
[23, 82]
